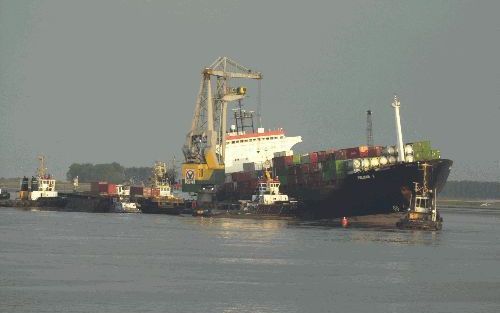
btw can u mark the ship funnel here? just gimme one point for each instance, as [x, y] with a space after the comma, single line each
[396, 104]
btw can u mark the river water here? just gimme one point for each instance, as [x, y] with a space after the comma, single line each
[81, 262]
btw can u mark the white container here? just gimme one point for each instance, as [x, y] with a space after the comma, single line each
[383, 160]
[408, 149]
[365, 163]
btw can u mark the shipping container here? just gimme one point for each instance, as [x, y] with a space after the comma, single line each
[155, 192]
[340, 155]
[112, 190]
[340, 169]
[283, 179]
[99, 187]
[305, 159]
[305, 168]
[352, 153]
[281, 154]
[435, 154]
[296, 159]
[146, 192]
[421, 146]
[422, 155]
[314, 167]
[136, 191]
[363, 151]
[375, 151]
[288, 160]
[322, 156]
[313, 157]
[383, 161]
[408, 149]
[390, 150]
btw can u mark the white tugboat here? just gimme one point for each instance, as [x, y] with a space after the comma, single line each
[43, 185]
[123, 204]
[269, 200]
[41, 193]
[422, 213]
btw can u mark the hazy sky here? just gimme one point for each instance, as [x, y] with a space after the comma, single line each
[101, 81]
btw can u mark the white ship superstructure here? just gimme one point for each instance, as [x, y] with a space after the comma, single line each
[256, 147]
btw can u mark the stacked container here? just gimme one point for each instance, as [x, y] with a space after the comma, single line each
[102, 188]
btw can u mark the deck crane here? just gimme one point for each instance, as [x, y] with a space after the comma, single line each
[205, 142]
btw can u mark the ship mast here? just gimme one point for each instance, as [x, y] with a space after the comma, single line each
[42, 170]
[369, 129]
[396, 104]
[243, 119]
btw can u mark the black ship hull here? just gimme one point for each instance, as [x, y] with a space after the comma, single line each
[149, 206]
[382, 191]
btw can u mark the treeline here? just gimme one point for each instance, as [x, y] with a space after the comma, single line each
[110, 172]
[471, 190]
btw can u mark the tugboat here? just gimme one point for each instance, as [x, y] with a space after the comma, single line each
[423, 213]
[43, 188]
[269, 200]
[4, 194]
[41, 194]
[206, 202]
[162, 201]
[122, 203]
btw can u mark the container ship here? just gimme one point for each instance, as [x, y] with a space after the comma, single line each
[362, 180]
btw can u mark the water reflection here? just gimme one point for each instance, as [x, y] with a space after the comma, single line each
[227, 228]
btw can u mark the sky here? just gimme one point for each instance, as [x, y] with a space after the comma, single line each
[101, 81]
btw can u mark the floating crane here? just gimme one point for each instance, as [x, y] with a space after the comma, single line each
[205, 142]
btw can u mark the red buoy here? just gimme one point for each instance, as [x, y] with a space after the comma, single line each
[345, 222]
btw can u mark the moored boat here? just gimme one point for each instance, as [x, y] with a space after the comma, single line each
[268, 199]
[161, 200]
[4, 194]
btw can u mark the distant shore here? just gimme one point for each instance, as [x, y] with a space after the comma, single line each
[469, 203]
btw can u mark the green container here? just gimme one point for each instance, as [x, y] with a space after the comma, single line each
[435, 154]
[340, 169]
[340, 166]
[296, 159]
[283, 179]
[327, 174]
[422, 145]
[422, 155]
[281, 171]
[334, 169]
[305, 159]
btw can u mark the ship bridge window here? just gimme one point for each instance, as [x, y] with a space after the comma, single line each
[282, 137]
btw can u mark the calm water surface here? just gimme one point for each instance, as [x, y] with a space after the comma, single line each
[80, 262]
